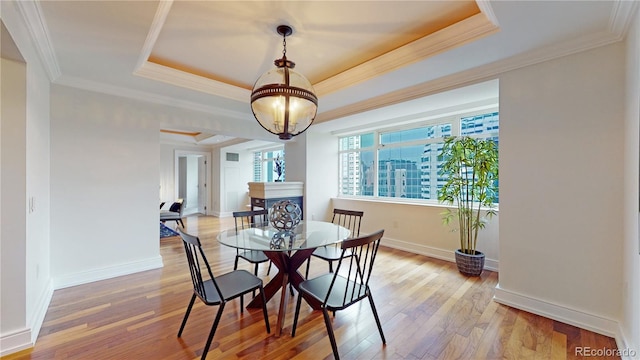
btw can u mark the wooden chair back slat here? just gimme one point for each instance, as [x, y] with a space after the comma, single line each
[357, 272]
[197, 260]
[250, 218]
[349, 219]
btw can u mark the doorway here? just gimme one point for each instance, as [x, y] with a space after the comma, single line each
[192, 172]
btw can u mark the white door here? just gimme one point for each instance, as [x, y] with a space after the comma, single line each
[202, 185]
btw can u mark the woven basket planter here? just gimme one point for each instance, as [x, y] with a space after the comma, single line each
[468, 264]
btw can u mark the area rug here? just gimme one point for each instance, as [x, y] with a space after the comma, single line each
[166, 231]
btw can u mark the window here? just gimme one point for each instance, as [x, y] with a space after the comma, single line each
[404, 163]
[264, 165]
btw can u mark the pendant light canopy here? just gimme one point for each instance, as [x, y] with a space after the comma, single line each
[283, 101]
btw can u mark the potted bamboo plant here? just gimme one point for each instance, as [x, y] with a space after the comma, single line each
[470, 166]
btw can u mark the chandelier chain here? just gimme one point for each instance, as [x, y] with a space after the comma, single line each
[284, 46]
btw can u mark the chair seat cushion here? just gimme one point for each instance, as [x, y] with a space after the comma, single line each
[253, 256]
[330, 252]
[232, 284]
[169, 215]
[343, 294]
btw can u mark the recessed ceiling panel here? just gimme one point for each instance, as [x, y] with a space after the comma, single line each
[235, 41]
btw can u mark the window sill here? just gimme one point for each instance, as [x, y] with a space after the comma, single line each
[411, 202]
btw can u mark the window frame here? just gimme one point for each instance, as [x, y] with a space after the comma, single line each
[264, 160]
[456, 128]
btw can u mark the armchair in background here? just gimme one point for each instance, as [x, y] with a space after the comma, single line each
[174, 213]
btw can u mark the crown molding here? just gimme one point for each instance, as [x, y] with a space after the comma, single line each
[421, 117]
[153, 71]
[460, 33]
[32, 15]
[154, 31]
[455, 35]
[621, 17]
[146, 97]
[471, 76]
[190, 81]
[487, 10]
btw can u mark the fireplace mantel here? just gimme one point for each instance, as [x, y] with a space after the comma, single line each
[265, 194]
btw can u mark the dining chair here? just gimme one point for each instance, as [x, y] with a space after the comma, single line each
[349, 219]
[247, 219]
[216, 290]
[346, 286]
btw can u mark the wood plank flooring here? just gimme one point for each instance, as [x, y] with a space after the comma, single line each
[428, 311]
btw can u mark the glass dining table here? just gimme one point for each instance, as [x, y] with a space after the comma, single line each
[287, 250]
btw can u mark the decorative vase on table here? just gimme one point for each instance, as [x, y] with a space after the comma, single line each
[284, 215]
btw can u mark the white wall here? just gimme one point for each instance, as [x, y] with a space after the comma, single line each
[295, 157]
[38, 262]
[320, 169]
[25, 287]
[13, 194]
[167, 179]
[561, 188]
[630, 317]
[418, 228]
[105, 160]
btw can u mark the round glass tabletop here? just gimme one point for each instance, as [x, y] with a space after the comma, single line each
[306, 235]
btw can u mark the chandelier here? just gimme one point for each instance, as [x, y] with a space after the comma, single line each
[282, 100]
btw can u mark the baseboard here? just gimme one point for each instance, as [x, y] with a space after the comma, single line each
[26, 338]
[627, 352]
[595, 323]
[442, 254]
[109, 272]
[40, 311]
[15, 341]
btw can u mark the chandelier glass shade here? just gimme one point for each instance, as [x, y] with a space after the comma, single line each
[283, 100]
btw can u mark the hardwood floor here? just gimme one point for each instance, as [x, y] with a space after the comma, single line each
[428, 311]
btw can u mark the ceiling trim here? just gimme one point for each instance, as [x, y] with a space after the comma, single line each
[190, 81]
[180, 132]
[425, 117]
[621, 17]
[231, 142]
[487, 10]
[147, 97]
[31, 12]
[153, 71]
[36, 24]
[460, 33]
[154, 31]
[470, 76]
